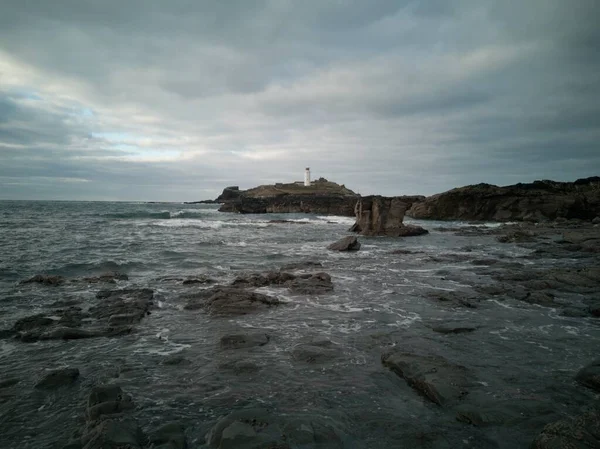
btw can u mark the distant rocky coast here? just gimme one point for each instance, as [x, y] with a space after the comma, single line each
[539, 201]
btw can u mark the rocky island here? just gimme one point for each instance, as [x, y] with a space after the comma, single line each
[321, 197]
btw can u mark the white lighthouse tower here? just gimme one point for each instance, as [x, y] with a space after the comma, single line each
[307, 177]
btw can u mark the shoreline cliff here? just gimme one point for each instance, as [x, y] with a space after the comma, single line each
[537, 201]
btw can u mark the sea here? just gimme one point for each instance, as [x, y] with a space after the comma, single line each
[384, 299]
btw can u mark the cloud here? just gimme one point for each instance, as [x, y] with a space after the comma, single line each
[147, 100]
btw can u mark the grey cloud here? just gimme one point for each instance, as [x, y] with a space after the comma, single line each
[385, 96]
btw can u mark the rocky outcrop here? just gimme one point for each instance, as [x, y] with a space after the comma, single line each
[378, 215]
[349, 243]
[283, 204]
[229, 194]
[579, 432]
[322, 197]
[230, 301]
[440, 381]
[115, 313]
[109, 424]
[590, 376]
[262, 428]
[304, 283]
[538, 201]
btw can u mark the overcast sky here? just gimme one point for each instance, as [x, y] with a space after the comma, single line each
[174, 100]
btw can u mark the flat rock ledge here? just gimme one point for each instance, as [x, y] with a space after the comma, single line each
[115, 313]
[260, 428]
[440, 381]
[230, 301]
[109, 424]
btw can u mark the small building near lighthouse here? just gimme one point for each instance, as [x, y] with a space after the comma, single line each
[307, 177]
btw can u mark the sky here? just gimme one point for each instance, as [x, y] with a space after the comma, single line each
[151, 100]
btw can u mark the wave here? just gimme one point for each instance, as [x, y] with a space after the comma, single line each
[161, 215]
[140, 214]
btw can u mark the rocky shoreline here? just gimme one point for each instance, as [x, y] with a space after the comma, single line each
[540, 201]
[453, 387]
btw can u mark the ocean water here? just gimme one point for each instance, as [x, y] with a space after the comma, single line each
[381, 301]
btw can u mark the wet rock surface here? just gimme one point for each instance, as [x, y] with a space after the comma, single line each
[537, 201]
[57, 378]
[440, 381]
[254, 428]
[115, 313]
[383, 216]
[579, 432]
[245, 340]
[230, 301]
[349, 243]
[590, 375]
[111, 423]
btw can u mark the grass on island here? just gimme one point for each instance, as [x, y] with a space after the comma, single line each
[319, 187]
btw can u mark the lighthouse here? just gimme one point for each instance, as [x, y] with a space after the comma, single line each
[307, 177]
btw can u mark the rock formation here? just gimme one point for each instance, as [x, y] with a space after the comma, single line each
[379, 215]
[538, 201]
[349, 243]
[322, 197]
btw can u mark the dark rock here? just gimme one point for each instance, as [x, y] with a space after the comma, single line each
[32, 322]
[199, 280]
[575, 312]
[258, 428]
[65, 303]
[311, 284]
[590, 375]
[453, 328]
[263, 279]
[538, 201]
[434, 377]
[228, 194]
[378, 215]
[323, 198]
[45, 279]
[246, 340]
[307, 265]
[287, 222]
[404, 251]
[133, 302]
[107, 400]
[176, 360]
[230, 301]
[240, 366]
[517, 237]
[123, 319]
[315, 351]
[169, 436]
[596, 220]
[540, 298]
[349, 243]
[114, 434]
[579, 432]
[454, 299]
[58, 378]
[68, 333]
[109, 277]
